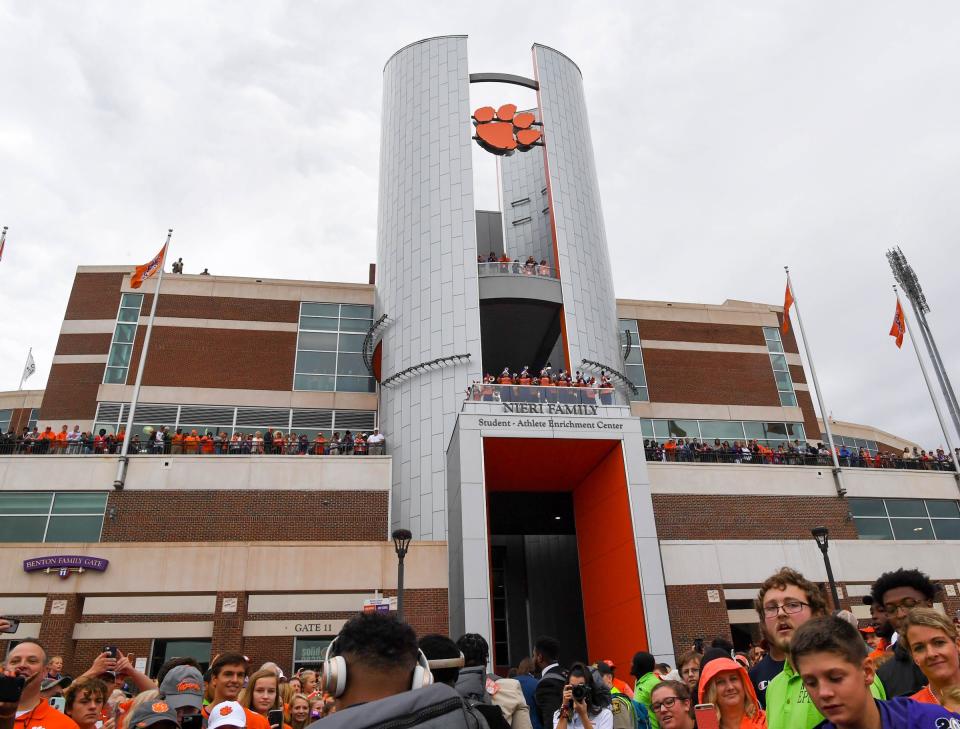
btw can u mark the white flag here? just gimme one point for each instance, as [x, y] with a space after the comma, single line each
[30, 367]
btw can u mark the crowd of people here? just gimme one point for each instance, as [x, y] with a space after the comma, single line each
[793, 453]
[181, 441]
[529, 267]
[547, 386]
[813, 667]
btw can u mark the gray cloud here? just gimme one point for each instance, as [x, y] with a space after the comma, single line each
[731, 139]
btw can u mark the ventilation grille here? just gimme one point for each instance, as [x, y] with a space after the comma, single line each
[355, 419]
[273, 417]
[316, 419]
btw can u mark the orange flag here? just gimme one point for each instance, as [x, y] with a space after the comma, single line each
[787, 303]
[899, 327]
[148, 269]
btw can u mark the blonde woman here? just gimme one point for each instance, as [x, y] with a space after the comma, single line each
[262, 694]
[934, 643]
[725, 684]
[298, 715]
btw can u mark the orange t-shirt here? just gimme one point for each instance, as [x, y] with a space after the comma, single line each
[44, 716]
[925, 696]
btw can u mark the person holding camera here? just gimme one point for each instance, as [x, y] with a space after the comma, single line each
[578, 710]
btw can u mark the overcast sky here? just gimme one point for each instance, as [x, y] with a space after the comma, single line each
[731, 139]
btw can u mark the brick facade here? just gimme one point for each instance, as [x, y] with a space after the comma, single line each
[694, 516]
[223, 307]
[56, 630]
[71, 392]
[216, 358]
[692, 615]
[199, 516]
[713, 378]
[84, 344]
[695, 331]
[95, 296]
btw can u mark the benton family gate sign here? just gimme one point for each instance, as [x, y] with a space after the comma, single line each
[63, 565]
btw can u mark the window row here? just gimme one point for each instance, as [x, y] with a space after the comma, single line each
[633, 359]
[781, 370]
[329, 348]
[906, 519]
[724, 430]
[121, 346]
[47, 516]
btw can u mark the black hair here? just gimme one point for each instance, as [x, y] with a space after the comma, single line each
[547, 647]
[379, 641]
[173, 663]
[227, 659]
[435, 646]
[679, 689]
[580, 670]
[475, 649]
[828, 635]
[903, 578]
[643, 663]
[722, 643]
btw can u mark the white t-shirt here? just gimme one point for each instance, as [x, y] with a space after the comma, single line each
[376, 438]
[603, 720]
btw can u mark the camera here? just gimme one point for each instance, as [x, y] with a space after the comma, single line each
[581, 692]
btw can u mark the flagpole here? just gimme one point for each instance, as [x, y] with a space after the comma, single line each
[23, 375]
[3, 239]
[837, 473]
[926, 379]
[122, 464]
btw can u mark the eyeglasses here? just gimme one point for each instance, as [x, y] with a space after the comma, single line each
[790, 607]
[665, 704]
[908, 603]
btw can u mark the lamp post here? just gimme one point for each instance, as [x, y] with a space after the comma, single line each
[401, 543]
[822, 535]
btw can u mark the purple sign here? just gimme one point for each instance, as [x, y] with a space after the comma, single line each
[65, 563]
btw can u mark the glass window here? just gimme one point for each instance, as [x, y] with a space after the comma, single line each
[947, 528]
[351, 364]
[771, 334]
[318, 341]
[721, 429]
[683, 428]
[309, 652]
[873, 528]
[796, 432]
[356, 311]
[121, 347]
[354, 384]
[351, 342]
[867, 507]
[318, 323]
[128, 315]
[642, 395]
[79, 502]
[314, 382]
[22, 528]
[912, 529]
[779, 362]
[311, 309]
[74, 529]
[754, 430]
[788, 399]
[776, 430]
[943, 508]
[120, 355]
[115, 375]
[633, 358]
[354, 325]
[164, 650]
[660, 429]
[25, 502]
[906, 507]
[131, 301]
[316, 363]
[784, 383]
[125, 332]
[774, 346]
[646, 428]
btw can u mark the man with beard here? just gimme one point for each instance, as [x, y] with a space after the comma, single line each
[786, 600]
[28, 659]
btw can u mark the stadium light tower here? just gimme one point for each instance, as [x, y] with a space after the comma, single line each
[904, 274]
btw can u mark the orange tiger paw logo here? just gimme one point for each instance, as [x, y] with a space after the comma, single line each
[503, 130]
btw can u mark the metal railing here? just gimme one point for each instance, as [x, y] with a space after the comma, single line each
[515, 268]
[544, 394]
[220, 445]
[789, 456]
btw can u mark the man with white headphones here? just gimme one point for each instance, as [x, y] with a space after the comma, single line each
[371, 669]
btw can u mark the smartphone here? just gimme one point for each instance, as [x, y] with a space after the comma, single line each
[11, 687]
[192, 721]
[14, 625]
[698, 645]
[706, 715]
[58, 702]
[275, 718]
[111, 650]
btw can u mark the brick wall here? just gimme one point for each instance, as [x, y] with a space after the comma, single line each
[715, 378]
[810, 424]
[56, 631]
[695, 516]
[220, 358]
[223, 307]
[84, 344]
[71, 392]
[692, 615]
[86, 651]
[195, 516]
[694, 331]
[94, 296]
[19, 419]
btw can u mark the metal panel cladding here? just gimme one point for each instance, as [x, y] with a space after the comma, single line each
[589, 302]
[426, 269]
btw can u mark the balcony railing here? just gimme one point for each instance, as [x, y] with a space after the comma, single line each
[753, 455]
[199, 446]
[544, 395]
[516, 268]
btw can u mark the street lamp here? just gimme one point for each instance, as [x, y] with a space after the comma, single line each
[822, 535]
[401, 543]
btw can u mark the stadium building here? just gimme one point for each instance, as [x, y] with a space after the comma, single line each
[533, 510]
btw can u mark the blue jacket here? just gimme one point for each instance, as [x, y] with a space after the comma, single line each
[904, 713]
[528, 684]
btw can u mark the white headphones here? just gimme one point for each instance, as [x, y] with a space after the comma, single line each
[334, 672]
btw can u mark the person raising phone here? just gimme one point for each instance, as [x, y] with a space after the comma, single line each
[577, 710]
